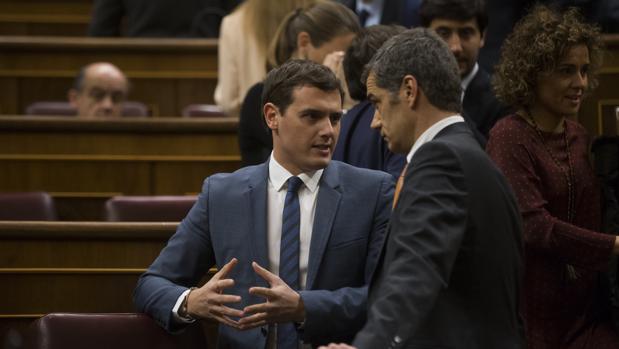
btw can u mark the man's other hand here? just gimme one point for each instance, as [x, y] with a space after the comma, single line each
[208, 301]
[283, 304]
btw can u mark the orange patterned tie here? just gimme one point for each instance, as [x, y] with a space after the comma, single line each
[398, 186]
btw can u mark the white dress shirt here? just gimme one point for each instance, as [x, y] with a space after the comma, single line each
[467, 80]
[431, 132]
[276, 194]
[374, 9]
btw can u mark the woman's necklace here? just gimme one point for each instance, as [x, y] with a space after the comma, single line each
[568, 172]
[569, 178]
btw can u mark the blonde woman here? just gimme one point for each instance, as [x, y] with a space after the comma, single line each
[243, 42]
[318, 33]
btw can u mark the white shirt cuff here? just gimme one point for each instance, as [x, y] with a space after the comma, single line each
[177, 306]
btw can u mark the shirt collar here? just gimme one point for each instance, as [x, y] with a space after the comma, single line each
[431, 132]
[467, 79]
[373, 7]
[278, 176]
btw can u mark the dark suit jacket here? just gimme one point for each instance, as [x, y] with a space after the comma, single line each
[230, 220]
[449, 272]
[362, 146]
[480, 104]
[159, 18]
[394, 11]
[255, 140]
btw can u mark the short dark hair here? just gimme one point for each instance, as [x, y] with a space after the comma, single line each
[423, 54]
[280, 83]
[457, 10]
[80, 78]
[362, 49]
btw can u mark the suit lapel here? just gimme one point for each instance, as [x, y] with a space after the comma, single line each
[327, 204]
[256, 196]
[453, 128]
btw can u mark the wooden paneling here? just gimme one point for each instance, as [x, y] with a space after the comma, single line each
[45, 17]
[592, 108]
[74, 267]
[81, 163]
[166, 74]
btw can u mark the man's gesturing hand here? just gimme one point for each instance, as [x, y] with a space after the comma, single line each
[283, 304]
[208, 301]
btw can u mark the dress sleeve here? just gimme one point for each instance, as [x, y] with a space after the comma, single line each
[581, 247]
[227, 94]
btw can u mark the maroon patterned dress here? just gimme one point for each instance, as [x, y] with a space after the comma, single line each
[562, 306]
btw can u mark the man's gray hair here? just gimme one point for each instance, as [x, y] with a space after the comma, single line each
[421, 53]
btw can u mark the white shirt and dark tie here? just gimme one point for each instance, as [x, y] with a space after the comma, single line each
[276, 195]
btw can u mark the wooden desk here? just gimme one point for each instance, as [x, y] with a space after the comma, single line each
[166, 74]
[45, 17]
[169, 74]
[83, 162]
[74, 267]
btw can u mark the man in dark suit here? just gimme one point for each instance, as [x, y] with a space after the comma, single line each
[295, 238]
[159, 18]
[462, 25]
[372, 12]
[359, 144]
[449, 272]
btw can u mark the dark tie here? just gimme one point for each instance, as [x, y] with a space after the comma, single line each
[287, 337]
[363, 17]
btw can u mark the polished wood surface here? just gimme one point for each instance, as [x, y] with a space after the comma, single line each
[165, 74]
[83, 162]
[74, 267]
[168, 74]
[45, 17]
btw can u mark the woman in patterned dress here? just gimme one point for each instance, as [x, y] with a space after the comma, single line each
[548, 65]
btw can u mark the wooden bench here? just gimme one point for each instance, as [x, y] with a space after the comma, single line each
[83, 162]
[166, 74]
[74, 267]
[45, 17]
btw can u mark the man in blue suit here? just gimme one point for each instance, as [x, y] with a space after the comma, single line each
[293, 263]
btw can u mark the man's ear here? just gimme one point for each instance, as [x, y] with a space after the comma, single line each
[304, 41]
[482, 39]
[410, 90]
[72, 97]
[271, 113]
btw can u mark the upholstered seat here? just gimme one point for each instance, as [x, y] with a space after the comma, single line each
[202, 110]
[61, 108]
[104, 331]
[148, 208]
[33, 206]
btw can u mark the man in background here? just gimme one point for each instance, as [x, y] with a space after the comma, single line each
[99, 90]
[462, 25]
[359, 144]
[373, 12]
[159, 18]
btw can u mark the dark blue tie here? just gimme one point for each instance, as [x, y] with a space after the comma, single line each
[287, 337]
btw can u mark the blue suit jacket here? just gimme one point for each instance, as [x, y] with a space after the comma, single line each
[230, 220]
[362, 146]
